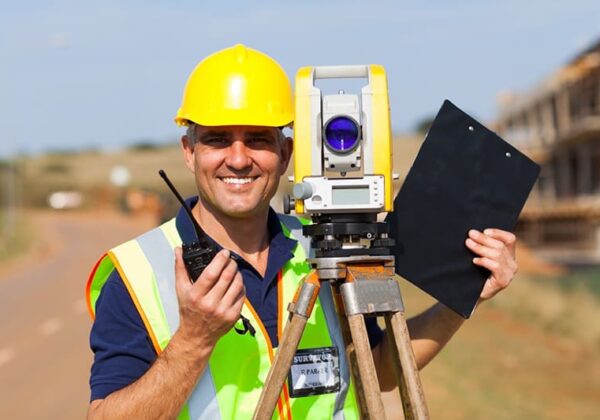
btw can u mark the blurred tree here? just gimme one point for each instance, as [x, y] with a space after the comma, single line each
[145, 146]
[56, 168]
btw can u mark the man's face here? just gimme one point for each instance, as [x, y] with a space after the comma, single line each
[237, 168]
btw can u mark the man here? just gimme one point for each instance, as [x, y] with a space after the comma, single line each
[165, 346]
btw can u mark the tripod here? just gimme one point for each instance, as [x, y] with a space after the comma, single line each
[362, 285]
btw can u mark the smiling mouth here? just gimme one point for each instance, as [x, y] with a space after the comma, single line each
[238, 181]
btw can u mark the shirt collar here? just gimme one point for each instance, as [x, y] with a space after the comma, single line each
[278, 242]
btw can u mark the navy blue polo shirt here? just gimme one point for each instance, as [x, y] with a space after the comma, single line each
[122, 348]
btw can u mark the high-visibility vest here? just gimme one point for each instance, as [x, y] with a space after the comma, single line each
[235, 374]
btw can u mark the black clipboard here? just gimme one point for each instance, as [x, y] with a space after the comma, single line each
[464, 177]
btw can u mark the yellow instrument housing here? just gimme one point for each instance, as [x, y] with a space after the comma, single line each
[376, 127]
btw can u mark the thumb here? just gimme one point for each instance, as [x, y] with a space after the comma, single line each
[182, 279]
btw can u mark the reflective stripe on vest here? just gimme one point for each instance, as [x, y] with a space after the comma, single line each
[233, 379]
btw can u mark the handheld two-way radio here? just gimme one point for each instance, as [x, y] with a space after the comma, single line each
[199, 253]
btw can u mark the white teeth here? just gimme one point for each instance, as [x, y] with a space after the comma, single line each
[237, 180]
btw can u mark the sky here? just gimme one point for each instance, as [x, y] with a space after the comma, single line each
[80, 74]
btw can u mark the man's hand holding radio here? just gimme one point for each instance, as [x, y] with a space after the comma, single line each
[209, 307]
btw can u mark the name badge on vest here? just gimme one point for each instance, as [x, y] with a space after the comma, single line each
[314, 372]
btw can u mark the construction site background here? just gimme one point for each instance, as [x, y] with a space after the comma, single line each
[557, 123]
[531, 352]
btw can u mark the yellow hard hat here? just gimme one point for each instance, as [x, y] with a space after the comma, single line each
[237, 86]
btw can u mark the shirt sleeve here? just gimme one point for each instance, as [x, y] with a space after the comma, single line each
[122, 348]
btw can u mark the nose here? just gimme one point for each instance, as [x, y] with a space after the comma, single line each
[238, 156]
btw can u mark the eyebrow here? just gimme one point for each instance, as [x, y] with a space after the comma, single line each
[215, 133]
[263, 133]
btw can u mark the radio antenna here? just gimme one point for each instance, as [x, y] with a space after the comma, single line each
[197, 255]
[199, 230]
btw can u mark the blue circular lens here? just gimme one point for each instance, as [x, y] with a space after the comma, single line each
[341, 134]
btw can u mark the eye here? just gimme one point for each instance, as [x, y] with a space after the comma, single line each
[216, 141]
[260, 141]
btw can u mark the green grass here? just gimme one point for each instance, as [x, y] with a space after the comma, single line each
[567, 305]
[532, 352]
[585, 279]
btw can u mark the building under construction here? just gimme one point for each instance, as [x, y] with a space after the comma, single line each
[558, 125]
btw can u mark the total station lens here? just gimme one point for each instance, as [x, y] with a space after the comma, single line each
[341, 134]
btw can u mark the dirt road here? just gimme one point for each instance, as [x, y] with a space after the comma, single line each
[497, 367]
[44, 325]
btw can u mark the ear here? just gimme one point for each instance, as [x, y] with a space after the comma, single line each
[188, 153]
[286, 153]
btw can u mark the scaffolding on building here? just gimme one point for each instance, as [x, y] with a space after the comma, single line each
[558, 125]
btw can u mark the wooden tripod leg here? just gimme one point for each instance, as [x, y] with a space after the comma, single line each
[366, 367]
[350, 352]
[300, 310]
[405, 367]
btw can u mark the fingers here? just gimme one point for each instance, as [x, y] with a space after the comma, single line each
[500, 279]
[484, 239]
[182, 279]
[489, 291]
[488, 263]
[235, 292]
[507, 238]
[212, 272]
[209, 307]
[491, 255]
[225, 280]
[492, 243]
[495, 251]
[502, 272]
[222, 285]
[482, 250]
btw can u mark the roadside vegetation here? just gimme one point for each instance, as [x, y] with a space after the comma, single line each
[568, 305]
[89, 172]
[14, 239]
[14, 234]
[533, 352]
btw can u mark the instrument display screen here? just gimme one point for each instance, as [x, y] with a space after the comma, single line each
[349, 195]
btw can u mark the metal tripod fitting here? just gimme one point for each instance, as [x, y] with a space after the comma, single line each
[372, 297]
[305, 297]
[334, 268]
[362, 286]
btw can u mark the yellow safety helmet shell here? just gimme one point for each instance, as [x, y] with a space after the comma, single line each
[237, 86]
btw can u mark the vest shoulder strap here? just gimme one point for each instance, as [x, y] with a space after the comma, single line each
[292, 228]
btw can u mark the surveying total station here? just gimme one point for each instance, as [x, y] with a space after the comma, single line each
[342, 144]
[343, 181]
